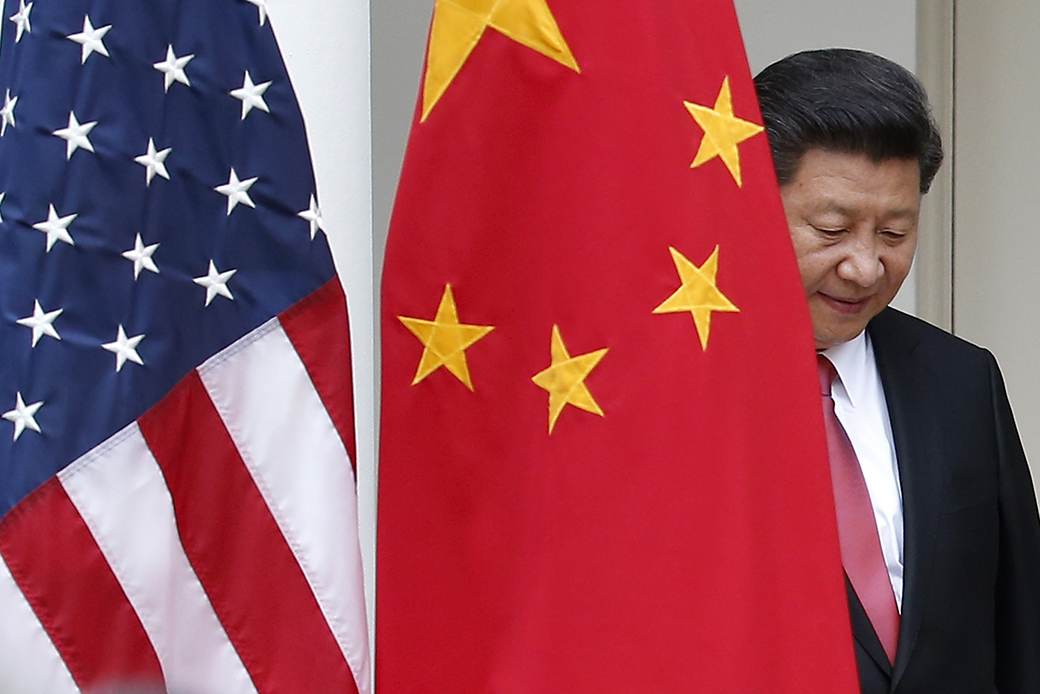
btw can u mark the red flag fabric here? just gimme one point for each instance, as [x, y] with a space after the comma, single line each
[602, 459]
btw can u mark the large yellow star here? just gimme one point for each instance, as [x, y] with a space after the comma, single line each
[445, 340]
[722, 132]
[565, 379]
[698, 293]
[459, 24]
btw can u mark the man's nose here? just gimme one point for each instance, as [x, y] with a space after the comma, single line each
[863, 264]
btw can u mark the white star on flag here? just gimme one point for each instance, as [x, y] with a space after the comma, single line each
[75, 135]
[21, 20]
[90, 39]
[173, 68]
[251, 95]
[7, 113]
[215, 283]
[261, 6]
[236, 191]
[125, 348]
[313, 215]
[56, 228]
[154, 162]
[141, 256]
[1, 206]
[41, 322]
[23, 416]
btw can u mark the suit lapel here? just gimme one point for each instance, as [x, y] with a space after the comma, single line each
[909, 392]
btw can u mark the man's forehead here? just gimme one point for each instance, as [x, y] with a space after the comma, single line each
[847, 184]
[834, 155]
[842, 204]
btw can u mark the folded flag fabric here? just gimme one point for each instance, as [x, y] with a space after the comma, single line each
[176, 450]
[602, 457]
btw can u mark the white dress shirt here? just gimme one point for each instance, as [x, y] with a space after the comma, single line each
[859, 402]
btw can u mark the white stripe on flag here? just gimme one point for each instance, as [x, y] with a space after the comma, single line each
[288, 442]
[29, 662]
[119, 491]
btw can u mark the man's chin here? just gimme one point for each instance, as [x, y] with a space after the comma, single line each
[832, 336]
[832, 328]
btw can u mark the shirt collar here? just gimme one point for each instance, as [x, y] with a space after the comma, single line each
[853, 361]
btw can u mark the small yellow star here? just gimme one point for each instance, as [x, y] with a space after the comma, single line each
[445, 340]
[698, 293]
[565, 379]
[722, 132]
[458, 26]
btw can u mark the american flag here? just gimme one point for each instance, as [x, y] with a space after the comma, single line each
[177, 495]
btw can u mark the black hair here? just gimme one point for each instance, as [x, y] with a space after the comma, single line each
[848, 101]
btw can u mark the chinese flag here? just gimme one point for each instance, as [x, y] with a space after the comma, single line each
[603, 465]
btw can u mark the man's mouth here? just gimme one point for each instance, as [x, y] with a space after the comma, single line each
[850, 306]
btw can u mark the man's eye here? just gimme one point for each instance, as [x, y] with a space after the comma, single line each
[826, 231]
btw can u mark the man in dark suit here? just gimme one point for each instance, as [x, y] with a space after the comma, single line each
[944, 582]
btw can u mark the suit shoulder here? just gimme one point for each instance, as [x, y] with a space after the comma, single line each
[894, 329]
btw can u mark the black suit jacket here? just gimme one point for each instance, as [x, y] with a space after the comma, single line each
[971, 603]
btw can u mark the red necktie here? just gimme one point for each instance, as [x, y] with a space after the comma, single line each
[857, 531]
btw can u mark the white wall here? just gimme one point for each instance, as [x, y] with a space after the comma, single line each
[775, 28]
[997, 158]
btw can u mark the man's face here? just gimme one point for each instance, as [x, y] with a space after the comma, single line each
[854, 227]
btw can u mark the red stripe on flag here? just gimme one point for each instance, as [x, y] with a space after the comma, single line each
[257, 589]
[65, 577]
[320, 332]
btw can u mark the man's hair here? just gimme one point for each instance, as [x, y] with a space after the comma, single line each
[848, 101]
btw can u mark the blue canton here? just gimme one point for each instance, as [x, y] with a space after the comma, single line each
[155, 207]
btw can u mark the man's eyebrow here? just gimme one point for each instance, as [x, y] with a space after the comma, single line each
[835, 207]
[904, 213]
[832, 206]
